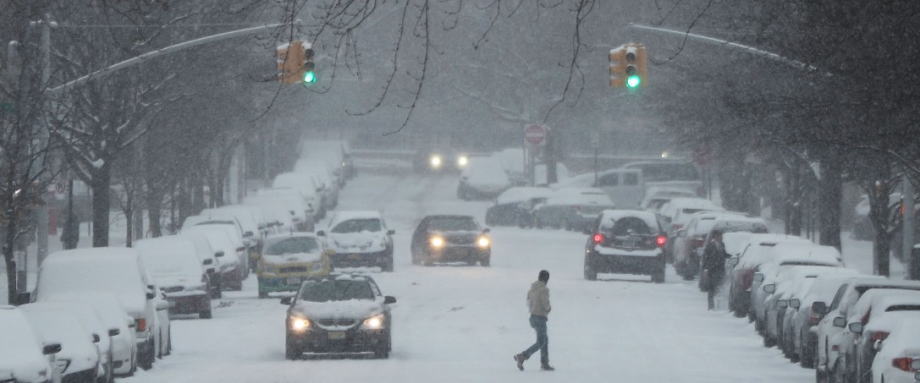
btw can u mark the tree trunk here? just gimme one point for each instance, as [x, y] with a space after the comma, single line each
[129, 218]
[154, 211]
[830, 196]
[794, 201]
[9, 242]
[101, 202]
[879, 214]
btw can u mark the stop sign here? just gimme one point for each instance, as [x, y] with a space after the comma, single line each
[535, 134]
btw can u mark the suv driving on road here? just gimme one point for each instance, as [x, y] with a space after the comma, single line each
[451, 238]
[341, 313]
[360, 238]
[625, 241]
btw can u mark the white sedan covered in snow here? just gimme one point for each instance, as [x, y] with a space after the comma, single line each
[21, 359]
[172, 263]
[79, 359]
[359, 238]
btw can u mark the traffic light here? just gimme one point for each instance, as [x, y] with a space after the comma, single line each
[295, 63]
[629, 66]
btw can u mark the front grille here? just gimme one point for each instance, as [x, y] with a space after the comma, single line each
[294, 269]
[172, 289]
[337, 322]
[462, 239]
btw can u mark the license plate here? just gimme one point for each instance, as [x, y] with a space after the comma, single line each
[293, 281]
[631, 243]
[336, 335]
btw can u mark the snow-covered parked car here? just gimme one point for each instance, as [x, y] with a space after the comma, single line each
[338, 313]
[676, 213]
[483, 178]
[172, 263]
[657, 196]
[112, 317]
[898, 361]
[310, 189]
[21, 351]
[788, 280]
[251, 224]
[451, 238]
[229, 252]
[109, 270]
[327, 182]
[359, 238]
[759, 249]
[245, 241]
[872, 319]
[684, 247]
[514, 207]
[289, 259]
[207, 255]
[572, 208]
[79, 359]
[626, 242]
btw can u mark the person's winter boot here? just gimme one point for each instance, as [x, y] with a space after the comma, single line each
[519, 359]
[547, 367]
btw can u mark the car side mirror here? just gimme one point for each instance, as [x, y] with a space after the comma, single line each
[856, 327]
[52, 348]
[287, 301]
[388, 300]
[218, 254]
[795, 303]
[249, 234]
[769, 289]
[114, 332]
[96, 338]
[819, 308]
[840, 322]
[758, 277]
[486, 230]
[391, 232]
[320, 233]
[207, 262]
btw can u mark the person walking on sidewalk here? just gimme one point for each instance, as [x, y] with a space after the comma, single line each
[538, 303]
[714, 257]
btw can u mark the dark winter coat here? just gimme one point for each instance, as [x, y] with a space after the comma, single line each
[714, 257]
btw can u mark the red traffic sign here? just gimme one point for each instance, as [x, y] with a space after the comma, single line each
[535, 134]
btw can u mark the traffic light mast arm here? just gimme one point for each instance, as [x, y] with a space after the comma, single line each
[164, 51]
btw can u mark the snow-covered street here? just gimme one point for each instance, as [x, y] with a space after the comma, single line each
[464, 323]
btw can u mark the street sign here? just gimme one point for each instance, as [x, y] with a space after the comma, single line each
[535, 134]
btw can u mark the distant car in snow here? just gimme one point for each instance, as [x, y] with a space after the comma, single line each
[686, 242]
[482, 178]
[172, 263]
[228, 250]
[625, 242]
[439, 160]
[657, 196]
[451, 238]
[676, 213]
[572, 208]
[289, 259]
[514, 207]
[359, 238]
[339, 313]
[759, 248]
[669, 173]
[22, 352]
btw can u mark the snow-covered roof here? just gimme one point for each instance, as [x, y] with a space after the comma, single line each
[523, 193]
[878, 300]
[105, 305]
[805, 255]
[169, 255]
[101, 269]
[583, 196]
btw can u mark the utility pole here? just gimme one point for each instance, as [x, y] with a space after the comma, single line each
[42, 213]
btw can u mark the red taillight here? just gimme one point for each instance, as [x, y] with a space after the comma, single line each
[903, 364]
[661, 240]
[814, 319]
[598, 238]
[140, 325]
[865, 318]
[879, 336]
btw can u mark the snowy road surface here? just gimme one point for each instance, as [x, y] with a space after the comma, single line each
[463, 324]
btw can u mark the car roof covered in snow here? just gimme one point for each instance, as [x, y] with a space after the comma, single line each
[827, 284]
[692, 203]
[105, 269]
[813, 255]
[171, 254]
[523, 193]
[20, 351]
[585, 196]
[876, 300]
[763, 247]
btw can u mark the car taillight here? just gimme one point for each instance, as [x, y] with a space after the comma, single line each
[661, 240]
[865, 319]
[879, 336]
[140, 324]
[906, 364]
[599, 238]
[814, 319]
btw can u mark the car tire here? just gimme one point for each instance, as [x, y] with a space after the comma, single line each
[145, 362]
[590, 271]
[485, 261]
[658, 277]
[206, 314]
[387, 264]
[169, 343]
[768, 341]
[263, 294]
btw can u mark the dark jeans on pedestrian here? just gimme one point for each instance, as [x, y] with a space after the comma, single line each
[539, 325]
[715, 283]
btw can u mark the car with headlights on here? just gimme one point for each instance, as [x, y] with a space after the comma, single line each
[359, 238]
[438, 160]
[338, 313]
[451, 238]
[625, 241]
[288, 259]
[172, 263]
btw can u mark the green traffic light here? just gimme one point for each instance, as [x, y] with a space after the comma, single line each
[633, 81]
[309, 77]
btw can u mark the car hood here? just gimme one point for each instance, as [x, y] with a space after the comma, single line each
[355, 241]
[177, 279]
[350, 309]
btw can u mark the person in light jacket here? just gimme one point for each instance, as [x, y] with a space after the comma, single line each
[538, 303]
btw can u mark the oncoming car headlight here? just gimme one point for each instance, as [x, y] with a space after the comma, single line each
[375, 322]
[462, 161]
[298, 324]
[435, 161]
[483, 242]
[436, 242]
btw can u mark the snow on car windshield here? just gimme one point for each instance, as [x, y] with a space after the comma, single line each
[458, 223]
[358, 225]
[336, 290]
[296, 245]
